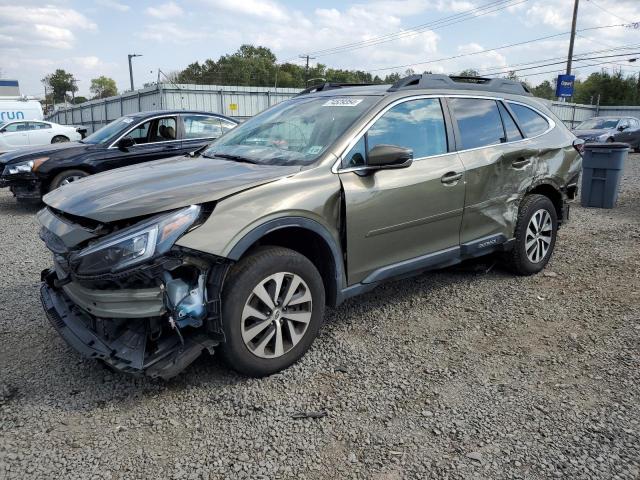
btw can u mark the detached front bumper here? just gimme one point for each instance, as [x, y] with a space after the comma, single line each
[126, 352]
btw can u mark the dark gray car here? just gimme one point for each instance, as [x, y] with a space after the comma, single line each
[610, 129]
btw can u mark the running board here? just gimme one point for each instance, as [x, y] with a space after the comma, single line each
[440, 259]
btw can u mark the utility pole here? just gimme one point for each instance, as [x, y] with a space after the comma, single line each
[306, 69]
[573, 35]
[130, 56]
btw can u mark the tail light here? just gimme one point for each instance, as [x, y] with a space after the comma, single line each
[578, 144]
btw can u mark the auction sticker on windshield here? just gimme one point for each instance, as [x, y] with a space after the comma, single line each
[342, 102]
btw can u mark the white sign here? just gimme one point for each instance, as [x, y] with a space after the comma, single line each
[342, 102]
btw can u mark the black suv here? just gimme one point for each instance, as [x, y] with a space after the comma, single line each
[140, 137]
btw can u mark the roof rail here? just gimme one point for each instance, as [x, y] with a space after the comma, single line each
[321, 87]
[433, 81]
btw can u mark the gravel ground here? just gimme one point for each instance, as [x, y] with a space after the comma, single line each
[464, 373]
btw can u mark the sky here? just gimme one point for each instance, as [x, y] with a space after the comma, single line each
[93, 38]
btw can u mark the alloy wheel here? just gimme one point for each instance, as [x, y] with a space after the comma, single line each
[276, 315]
[70, 179]
[538, 236]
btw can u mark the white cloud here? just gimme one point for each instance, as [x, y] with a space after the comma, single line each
[172, 33]
[48, 26]
[88, 63]
[266, 9]
[165, 11]
[114, 5]
[48, 15]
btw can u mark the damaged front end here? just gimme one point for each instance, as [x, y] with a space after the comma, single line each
[126, 295]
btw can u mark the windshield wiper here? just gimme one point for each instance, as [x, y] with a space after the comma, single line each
[235, 158]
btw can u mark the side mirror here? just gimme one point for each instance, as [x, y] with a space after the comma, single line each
[382, 157]
[621, 128]
[126, 143]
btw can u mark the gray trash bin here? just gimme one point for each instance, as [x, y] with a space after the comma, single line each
[602, 167]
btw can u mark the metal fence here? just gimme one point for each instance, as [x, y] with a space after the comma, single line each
[574, 113]
[237, 102]
[244, 102]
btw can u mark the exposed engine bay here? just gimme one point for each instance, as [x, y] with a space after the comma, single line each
[152, 317]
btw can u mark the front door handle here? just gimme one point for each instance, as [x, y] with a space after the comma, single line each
[520, 162]
[450, 178]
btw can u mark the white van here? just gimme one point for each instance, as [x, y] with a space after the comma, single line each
[16, 108]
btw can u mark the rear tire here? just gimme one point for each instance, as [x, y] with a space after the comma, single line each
[59, 139]
[65, 177]
[535, 235]
[267, 328]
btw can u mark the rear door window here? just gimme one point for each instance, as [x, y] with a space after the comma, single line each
[200, 126]
[530, 121]
[38, 126]
[479, 122]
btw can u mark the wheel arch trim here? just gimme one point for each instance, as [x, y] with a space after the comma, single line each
[241, 247]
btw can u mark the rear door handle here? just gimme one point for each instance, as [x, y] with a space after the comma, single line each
[450, 178]
[520, 162]
[171, 147]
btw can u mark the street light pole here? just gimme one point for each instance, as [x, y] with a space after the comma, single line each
[130, 56]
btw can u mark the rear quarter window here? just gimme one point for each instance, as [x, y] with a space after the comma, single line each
[531, 122]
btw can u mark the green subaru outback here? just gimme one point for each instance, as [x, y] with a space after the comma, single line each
[240, 246]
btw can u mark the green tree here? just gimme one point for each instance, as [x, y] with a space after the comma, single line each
[80, 99]
[103, 87]
[60, 82]
[469, 72]
[544, 90]
[613, 89]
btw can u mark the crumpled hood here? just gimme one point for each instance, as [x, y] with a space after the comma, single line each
[53, 150]
[159, 186]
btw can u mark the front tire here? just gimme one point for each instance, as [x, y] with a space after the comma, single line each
[65, 177]
[272, 309]
[59, 139]
[535, 235]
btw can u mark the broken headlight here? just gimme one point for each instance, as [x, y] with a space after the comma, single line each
[135, 244]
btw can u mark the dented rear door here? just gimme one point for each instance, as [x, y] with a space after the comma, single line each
[499, 165]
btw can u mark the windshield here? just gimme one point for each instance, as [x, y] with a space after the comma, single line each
[110, 130]
[598, 124]
[295, 132]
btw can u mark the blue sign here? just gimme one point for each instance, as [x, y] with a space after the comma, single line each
[564, 85]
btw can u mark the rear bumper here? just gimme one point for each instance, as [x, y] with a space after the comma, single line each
[127, 352]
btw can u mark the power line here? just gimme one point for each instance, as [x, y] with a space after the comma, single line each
[486, 9]
[416, 29]
[489, 70]
[607, 11]
[561, 62]
[517, 44]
